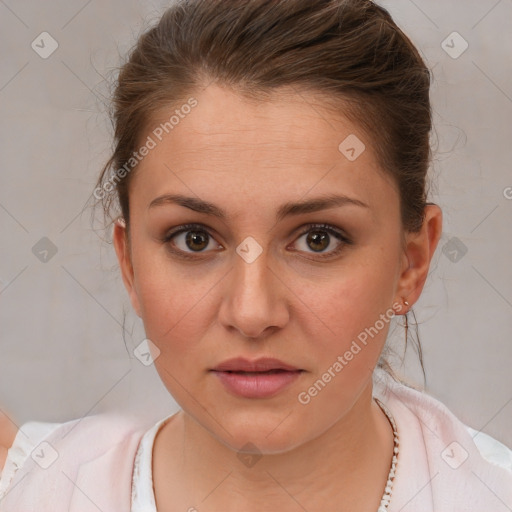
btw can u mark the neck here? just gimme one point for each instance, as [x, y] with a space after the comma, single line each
[347, 465]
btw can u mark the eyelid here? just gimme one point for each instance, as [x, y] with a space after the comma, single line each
[183, 228]
[327, 227]
[342, 237]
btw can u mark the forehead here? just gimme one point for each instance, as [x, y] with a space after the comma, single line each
[294, 123]
[288, 144]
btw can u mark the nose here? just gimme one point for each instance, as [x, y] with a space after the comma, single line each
[254, 299]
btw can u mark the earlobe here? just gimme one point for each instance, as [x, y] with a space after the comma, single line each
[420, 248]
[121, 245]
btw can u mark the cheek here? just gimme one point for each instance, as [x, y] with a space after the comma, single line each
[172, 312]
[347, 329]
[154, 286]
[354, 298]
[175, 301]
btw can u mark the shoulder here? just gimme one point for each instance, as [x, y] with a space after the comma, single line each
[93, 448]
[93, 435]
[439, 426]
[460, 465]
[437, 417]
[491, 449]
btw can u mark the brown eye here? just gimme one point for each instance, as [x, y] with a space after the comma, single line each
[321, 237]
[196, 240]
[189, 239]
[318, 240]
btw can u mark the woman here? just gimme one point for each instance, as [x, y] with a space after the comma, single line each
[270, 169]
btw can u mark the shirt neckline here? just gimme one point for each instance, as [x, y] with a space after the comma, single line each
[143, 494]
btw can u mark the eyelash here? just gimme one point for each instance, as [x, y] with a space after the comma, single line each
[309, 227]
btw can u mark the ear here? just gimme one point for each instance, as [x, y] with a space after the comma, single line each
[419, 250]
[122, 247]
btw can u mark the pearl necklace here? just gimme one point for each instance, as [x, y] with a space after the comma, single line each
[386, 498]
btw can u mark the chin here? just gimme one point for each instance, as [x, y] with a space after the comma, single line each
[261, 433]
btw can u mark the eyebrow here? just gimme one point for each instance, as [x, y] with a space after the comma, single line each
[287, 209]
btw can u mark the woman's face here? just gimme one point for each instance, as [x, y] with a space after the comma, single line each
[257, 281]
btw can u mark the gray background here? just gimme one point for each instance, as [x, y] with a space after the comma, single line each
[62, 349]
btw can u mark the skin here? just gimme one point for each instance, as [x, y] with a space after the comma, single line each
[249, 158]
[8, 432]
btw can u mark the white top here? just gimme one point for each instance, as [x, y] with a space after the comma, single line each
[143, 498]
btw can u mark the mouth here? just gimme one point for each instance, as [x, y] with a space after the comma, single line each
[261, 365]
[263, 378]
[254, 374]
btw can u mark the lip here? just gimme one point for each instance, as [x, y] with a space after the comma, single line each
[263, 364]
[262, 378]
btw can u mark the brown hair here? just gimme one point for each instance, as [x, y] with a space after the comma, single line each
[348, 52]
